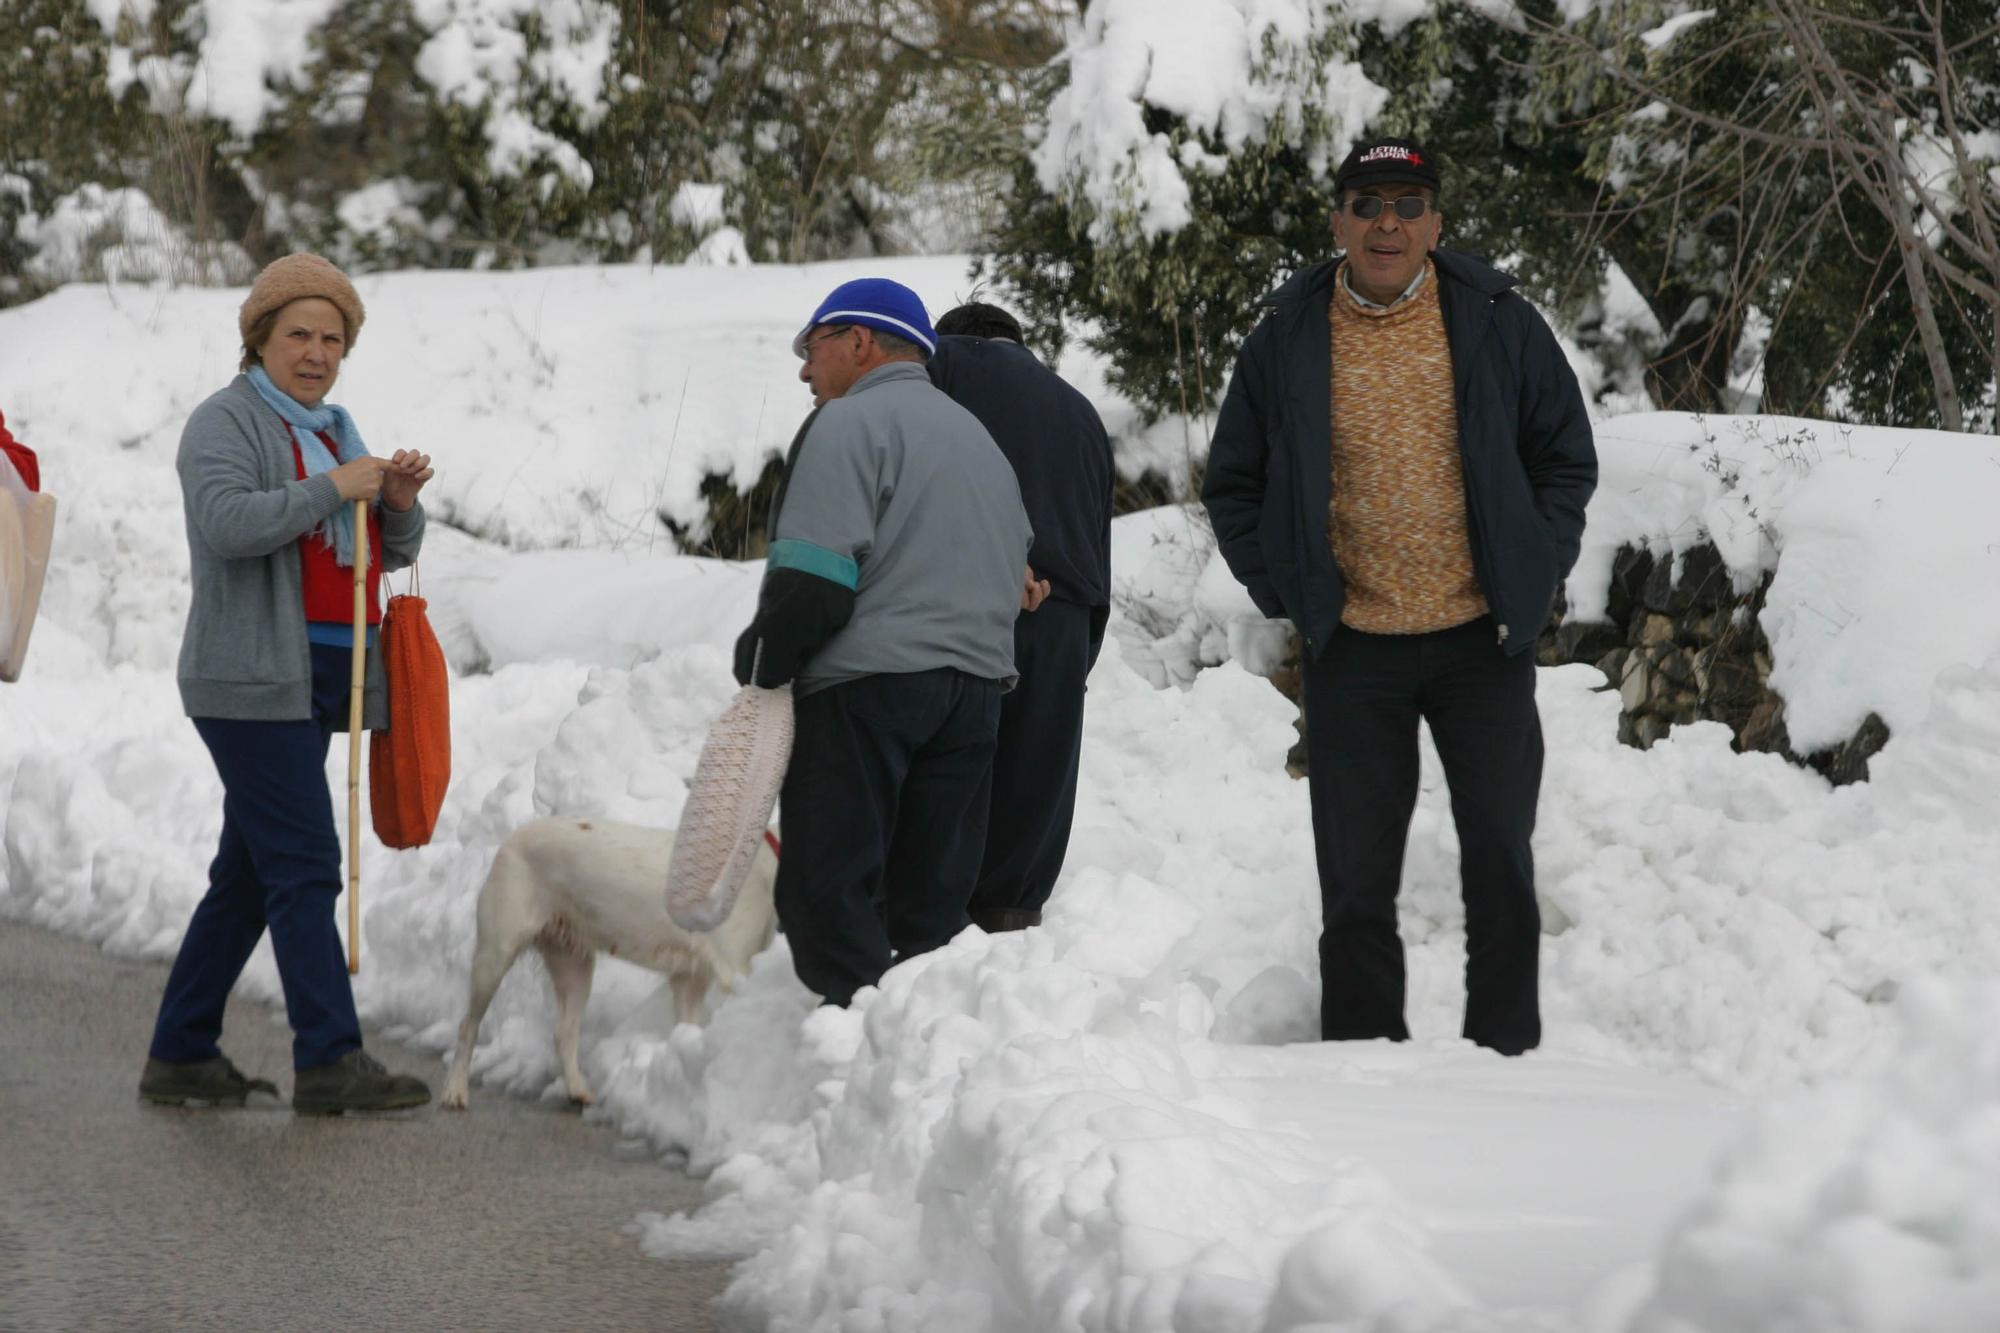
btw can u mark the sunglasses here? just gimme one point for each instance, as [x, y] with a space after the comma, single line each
[1409, 207]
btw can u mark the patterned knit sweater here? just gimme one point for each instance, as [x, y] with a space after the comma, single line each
[1397, 519]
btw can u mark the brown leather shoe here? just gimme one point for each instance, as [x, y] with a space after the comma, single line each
[214, 1082]
[355, 1082]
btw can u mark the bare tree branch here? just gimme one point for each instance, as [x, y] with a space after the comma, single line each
[1880, 125]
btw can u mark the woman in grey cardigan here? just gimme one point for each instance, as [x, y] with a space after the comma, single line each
[269, 474]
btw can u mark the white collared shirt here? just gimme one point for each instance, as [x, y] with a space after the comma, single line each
[1347, 281]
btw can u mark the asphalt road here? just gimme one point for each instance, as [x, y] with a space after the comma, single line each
[120, 1216]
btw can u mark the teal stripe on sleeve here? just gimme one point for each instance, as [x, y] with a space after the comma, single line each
[790, 553]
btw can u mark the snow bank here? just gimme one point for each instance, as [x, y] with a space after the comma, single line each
[1881, 540]
[590, 401]
[1868, 1206]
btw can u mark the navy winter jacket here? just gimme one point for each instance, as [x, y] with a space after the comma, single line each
[1530, 465]
[1061, 455]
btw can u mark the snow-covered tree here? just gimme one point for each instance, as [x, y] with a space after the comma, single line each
[453, 132]
[840, 126]
[1184, 160]
[1802, 193]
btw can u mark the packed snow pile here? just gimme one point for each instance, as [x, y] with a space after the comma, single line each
[1867, 1205]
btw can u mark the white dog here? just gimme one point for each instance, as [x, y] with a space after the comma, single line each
[573, 887]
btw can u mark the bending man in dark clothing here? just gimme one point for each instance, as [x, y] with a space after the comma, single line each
[1062, 458]
[898, 543]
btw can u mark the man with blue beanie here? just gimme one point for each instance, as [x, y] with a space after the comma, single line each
[898, 550]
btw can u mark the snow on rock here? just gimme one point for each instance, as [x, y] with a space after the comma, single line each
[1880, 540]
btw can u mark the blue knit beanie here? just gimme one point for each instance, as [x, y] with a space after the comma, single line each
[876, 303]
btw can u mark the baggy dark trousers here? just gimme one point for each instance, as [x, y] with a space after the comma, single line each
[1035, 767]
[883, 816]
[1363, 698]
[278, 866]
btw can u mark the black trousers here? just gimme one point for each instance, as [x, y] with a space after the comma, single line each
[884, 816]
[1363, 698]
[1034, 769]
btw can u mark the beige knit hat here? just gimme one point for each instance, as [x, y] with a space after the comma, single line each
[293, 278]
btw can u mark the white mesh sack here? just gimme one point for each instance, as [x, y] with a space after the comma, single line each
[729, 805]
[27, 523]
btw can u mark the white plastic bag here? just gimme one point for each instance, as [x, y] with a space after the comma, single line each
[27, 524]
[736, 784]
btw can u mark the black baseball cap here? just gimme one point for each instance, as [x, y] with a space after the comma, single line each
[1387, 162]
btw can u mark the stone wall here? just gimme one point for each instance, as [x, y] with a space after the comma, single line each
[1684, 646]
[1679, 647]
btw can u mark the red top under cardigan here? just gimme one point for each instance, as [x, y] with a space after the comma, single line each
[329, 585]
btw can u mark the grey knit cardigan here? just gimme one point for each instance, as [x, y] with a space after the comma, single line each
[245, 654]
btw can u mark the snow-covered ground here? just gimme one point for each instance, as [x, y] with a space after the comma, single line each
[1769, 1097]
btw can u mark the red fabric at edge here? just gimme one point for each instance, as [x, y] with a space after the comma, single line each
[22, 457]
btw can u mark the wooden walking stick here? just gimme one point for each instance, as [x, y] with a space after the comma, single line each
[360, 674]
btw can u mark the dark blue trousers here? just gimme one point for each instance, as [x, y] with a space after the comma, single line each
[1034, 768]
[1363, 698]
[278, 867]
[884, 816]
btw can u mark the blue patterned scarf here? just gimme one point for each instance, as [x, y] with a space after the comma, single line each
[308, 422]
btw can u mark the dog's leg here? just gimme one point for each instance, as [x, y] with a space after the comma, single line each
[689, 982]
[490, 960]
[570, 970]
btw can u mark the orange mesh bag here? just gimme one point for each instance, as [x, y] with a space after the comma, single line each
[409, 765]
[736, 783]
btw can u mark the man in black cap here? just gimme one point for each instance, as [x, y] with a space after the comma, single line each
[1400, 467]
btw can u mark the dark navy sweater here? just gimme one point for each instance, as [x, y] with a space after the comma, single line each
[1061, 455]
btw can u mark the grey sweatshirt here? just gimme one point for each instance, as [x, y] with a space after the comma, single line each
[245, 654]
[900, 494]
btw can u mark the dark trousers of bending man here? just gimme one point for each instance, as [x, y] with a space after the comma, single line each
[1061, 457]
